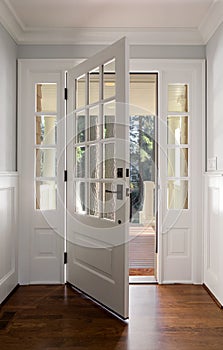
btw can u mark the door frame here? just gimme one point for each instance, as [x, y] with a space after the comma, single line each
[25, 66]
[197, 66]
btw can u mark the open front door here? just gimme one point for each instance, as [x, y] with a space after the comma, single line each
[98, 177]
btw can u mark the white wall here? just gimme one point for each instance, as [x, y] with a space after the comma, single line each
[8, 55]
[214, 54]
[213, 184]
[8, 175]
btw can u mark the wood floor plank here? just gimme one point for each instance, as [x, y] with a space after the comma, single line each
[181, 317]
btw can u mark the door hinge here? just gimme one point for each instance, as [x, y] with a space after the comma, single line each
[65, 175]
[65, 93]
[65, 258]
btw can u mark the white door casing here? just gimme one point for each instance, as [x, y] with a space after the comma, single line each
[97, 231]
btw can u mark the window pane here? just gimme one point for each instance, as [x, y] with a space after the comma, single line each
[109, 160]
[178, 98]
[178, 162]
[94, 157]
[109, 119]
[80, 92]
[46, 133]
[94, 123]
[80, 192]
[94, 86]
[46, 97]
[177, 194]
[81, 127]
[177, 130]
[45, 162]
[46, 195]
[108, 201]
[80, 162]
[109, 79]
[94, 199]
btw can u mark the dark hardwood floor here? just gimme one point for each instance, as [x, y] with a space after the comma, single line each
[174, 317]
[141, 272]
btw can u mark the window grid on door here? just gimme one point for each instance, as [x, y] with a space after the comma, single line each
[94, 145]
[45, 146]
[178, 150]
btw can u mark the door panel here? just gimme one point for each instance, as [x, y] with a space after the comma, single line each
[97, 188]
[180, 169]
[41, 167]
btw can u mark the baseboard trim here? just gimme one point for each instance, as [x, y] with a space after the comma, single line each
[212, 296]
[10, 294]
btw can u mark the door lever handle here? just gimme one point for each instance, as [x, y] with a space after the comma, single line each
[119, 192]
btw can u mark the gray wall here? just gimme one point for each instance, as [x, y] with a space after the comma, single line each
[136, 51]
[9, 52]
[8, 55]
[214, 52]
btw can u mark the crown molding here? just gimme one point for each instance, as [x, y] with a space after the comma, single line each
[212, 21]
[102, 36]
[9, 21]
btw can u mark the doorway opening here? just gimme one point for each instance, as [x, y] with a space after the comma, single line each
[143, 175]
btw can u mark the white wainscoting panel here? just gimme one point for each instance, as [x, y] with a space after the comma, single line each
[213, 230]
[8, 233]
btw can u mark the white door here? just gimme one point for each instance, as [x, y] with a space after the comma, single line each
[98, 177]
[181, 171]
[41, 169]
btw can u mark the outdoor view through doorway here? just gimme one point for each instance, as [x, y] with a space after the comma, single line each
[143, 159]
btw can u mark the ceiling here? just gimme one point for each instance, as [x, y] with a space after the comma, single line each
[103, 21]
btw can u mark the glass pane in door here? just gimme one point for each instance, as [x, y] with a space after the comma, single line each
[45, 162]
[80, 162]
[109, 201]
[109, 119]
[46, 195]
[94, 199]
[46, 97]
[109, 160]
[81, 127]
[94, 131]
[46, 131]
[94, 80]
[80, 91]
[177, 130]
[177, 194]
[178, 162]
[109, 79]
[94, 161]
[178, 98]
[80, 196]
